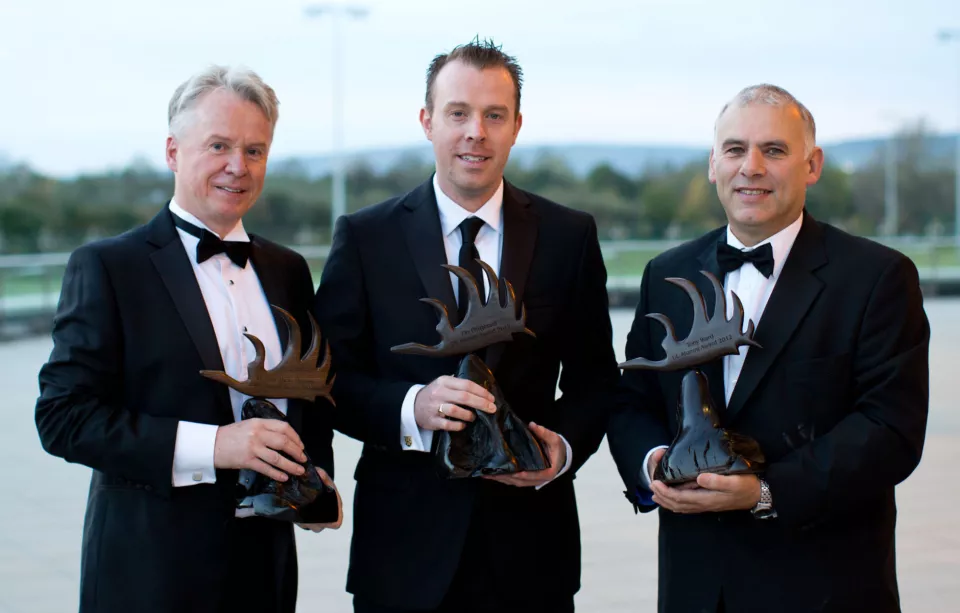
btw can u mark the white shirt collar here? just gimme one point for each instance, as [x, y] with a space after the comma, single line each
[781, 243]
[237, 234]
[452, 214]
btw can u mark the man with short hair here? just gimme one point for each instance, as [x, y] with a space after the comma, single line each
[835, 393]
[140, 315]
[505, 543]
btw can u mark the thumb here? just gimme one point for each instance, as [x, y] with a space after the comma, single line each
[654, 461]
[710, 481]
[544, 434]
[324, 477]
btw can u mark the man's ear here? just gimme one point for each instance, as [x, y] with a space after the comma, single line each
[815, 166]
[171, 153]
[426, 122]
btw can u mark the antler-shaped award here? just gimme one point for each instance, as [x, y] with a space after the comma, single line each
[702, 445]
[293, 377]
[491, 444]
[304, 498]
[482, 325]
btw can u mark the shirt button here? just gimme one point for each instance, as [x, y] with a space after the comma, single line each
[230, 281]
[244, 328]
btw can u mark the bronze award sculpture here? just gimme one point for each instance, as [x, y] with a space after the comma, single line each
[495, 444]
[702, 445]
[304, 498]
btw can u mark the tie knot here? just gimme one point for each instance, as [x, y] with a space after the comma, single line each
[210, 244]
[469, 228]
[730, 258]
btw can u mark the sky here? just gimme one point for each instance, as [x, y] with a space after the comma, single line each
[87, 83]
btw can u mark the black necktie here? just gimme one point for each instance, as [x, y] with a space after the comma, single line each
[469, 228]
[210, 244]
[730, 258]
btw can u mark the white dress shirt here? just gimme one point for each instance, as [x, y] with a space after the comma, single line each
[754, 291]
[236, 304]
[489, 243]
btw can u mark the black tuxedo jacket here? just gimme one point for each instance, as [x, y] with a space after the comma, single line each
[837, 398]
[130, 335]
[410, 525]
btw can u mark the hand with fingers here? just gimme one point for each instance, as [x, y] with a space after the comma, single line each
[556, 451]
[652, 463]
[332, 525]
[445, 404]
[257, 444]
[709, 493]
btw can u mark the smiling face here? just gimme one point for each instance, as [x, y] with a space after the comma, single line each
[472, 125]
[761, 169]
[219, 159]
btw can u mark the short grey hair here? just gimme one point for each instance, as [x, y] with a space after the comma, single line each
[772, 95]
[241, 81]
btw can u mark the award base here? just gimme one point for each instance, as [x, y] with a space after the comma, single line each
[498, 444]
[302, 499]
[702, 446]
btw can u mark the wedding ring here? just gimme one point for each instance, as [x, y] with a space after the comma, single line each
[440, 409]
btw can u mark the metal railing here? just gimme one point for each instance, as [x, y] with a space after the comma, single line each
[30, 283]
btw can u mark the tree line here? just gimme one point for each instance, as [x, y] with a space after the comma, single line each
[40, 213]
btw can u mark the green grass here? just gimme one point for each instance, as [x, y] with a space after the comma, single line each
[20, 284]
[628, 263]
[619, 264]
[933, 257]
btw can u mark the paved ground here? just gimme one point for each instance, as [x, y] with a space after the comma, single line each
[42, 501]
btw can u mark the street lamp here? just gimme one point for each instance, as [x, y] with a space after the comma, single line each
[948, 36]
[337, 11]
[891, 202]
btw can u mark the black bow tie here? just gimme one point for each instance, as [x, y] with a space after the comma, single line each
[730, 258]
[210, 244]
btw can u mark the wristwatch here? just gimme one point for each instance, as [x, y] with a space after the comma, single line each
[764, 508]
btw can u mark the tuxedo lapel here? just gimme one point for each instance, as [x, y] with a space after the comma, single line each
[713, 369]
[792, 297]
[420, 226]
[276, 287]
[273, 281]
[421, 229]
[173, 265]
[519, 243]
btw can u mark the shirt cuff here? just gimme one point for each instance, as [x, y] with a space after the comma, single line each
[412, 437]
[193, 454]
[566, 465]
[645, 482]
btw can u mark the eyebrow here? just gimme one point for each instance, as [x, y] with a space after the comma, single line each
[781, 144]
[764, 145]
[217, 137]
[495, 107]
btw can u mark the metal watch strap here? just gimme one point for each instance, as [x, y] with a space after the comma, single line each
[764, 508]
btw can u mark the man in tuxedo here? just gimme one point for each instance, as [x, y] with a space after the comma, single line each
[140, 315]
[509, 543]
[836, 394]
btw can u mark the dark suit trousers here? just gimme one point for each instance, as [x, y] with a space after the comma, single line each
[486, 583]
[262, 575]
